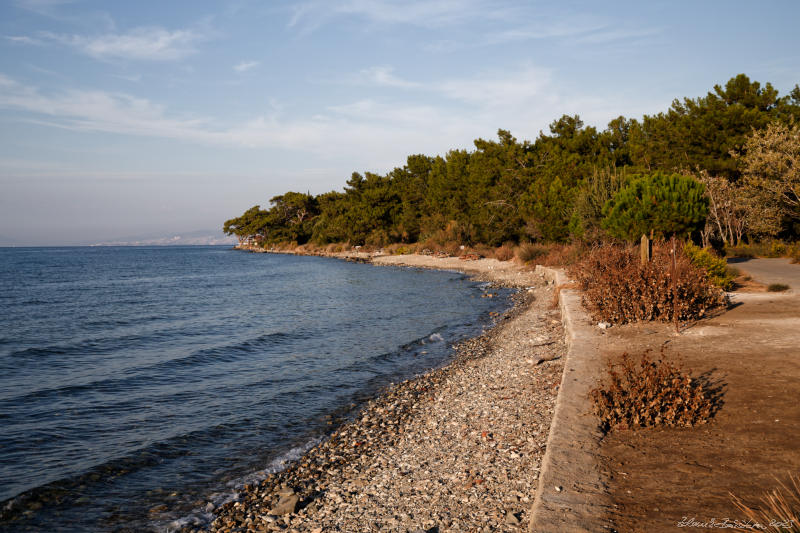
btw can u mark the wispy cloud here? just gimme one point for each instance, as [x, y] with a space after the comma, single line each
[63, 11]
[423, 13]
[133, 78]
[102, 111]
[608, 35]
[310, 15]
[495, 89]
[151, 43]
[579, 31]
[485, 89]
[489, 98]
[383, 77]
[23, 39]
[555, 30]
[41, 7]
[93, 110]
[374, 134]
[370, 132]
[244, 66]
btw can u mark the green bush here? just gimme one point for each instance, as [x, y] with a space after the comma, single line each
[716, 268]
[766, 248]
[777, 249]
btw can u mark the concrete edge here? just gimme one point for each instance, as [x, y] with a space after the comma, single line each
[572, 494]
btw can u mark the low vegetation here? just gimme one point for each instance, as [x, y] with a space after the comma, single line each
[765, 248]
[715, 267]
[777, 287]
[642, 392]
[530, 253]
[619, 289]
[779, 509]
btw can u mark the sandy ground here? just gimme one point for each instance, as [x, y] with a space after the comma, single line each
[660, 478]
[668, 479]
[457, 449]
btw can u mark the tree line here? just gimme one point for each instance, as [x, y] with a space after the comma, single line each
[725, 166]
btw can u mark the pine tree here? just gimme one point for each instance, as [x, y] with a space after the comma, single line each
[666, 204]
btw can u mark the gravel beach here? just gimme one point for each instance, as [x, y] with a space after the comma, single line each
[456, 449]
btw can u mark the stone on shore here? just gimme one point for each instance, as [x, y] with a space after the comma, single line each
[287, 505]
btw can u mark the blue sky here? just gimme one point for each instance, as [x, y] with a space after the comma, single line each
[150, 118]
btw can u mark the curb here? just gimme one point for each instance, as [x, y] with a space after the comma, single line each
[572, 495]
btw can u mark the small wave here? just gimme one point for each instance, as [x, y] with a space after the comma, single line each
[83, 347]
[69, 489]
[435, 336]
[162, 371]
[228, 352]
[203, 516]
[281, 462]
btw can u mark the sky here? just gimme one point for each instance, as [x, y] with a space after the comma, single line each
[129, 119]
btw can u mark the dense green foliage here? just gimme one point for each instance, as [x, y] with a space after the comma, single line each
[661, 204]
[553, 189]
[715, 267]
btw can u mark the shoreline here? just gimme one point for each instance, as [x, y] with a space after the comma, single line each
[470, 452]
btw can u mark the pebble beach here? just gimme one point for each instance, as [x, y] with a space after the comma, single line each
[456, 449]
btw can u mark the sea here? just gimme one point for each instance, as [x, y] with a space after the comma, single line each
[138, 385]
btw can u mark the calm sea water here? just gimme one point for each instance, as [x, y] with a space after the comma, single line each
[136, 377]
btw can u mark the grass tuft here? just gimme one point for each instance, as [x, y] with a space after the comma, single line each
[779, 510]
[504, 253]
[528, 252]
[777, 287]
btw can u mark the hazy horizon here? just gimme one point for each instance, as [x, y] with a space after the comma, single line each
[189, 238]
[157, 119]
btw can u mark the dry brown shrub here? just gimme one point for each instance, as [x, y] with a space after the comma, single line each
[310, 248]
[504, 253]
[400, 249]
[482, 250]
[779, 510]
[651, 392]
[528, 252]
[619, 289]
[284, 246]
[562, 255]
[451, 248]
[429, 244]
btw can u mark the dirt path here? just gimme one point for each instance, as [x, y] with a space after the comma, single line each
[661, 477]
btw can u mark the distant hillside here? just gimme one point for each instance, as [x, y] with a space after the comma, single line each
[194, 238]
